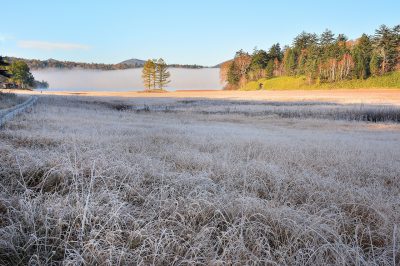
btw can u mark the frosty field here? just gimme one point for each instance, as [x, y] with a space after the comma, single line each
[116, 181]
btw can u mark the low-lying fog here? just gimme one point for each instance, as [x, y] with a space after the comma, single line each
[126, 80]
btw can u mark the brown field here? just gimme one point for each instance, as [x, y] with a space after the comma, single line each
[365, 96]
[8, 100]
[203, 178]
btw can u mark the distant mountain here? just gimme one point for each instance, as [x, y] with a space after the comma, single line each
[52, 63]
[133, 62]
[140, 63]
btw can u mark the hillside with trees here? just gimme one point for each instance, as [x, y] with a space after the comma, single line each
[314, 61]
[17, 75]
[52, 63]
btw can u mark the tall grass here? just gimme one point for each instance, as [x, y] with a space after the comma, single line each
[87, 183]
[8, 100]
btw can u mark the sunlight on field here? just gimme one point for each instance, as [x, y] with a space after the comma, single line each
[197, 180]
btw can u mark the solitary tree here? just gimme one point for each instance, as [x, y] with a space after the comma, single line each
[162, 74]
[148, 74]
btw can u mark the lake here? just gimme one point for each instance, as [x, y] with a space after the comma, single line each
[126, 80]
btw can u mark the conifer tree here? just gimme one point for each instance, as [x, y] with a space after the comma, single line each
[327, 37]
[162, 74]
[148, 74]
[269, 71]
[3, 71]
[386, 42]
[362, 53]
[20, 74]
[289, 62]
[375, 64]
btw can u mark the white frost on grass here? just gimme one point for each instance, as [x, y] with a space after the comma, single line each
[99, 186]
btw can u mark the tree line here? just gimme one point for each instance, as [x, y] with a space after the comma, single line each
[17, 74]
[320, 58]
[155, 74]
[52, 63]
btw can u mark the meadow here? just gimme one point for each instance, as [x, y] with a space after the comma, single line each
[142, 180]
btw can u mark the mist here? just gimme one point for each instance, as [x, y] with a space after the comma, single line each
[126, 80]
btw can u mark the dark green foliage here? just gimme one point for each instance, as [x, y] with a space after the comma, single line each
[289, 62]
[327, 38]
[312, 62]
[259, 61]
[3, 65]
[275, 52]
[375, 63]
[387, 41]
[269, 71]
[341, 38]
[362, 53]
[304, 40]
[21, 75]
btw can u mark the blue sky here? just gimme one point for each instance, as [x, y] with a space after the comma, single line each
[204, 32]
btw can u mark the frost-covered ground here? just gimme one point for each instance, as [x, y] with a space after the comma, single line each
[133, 181]
[8, 100]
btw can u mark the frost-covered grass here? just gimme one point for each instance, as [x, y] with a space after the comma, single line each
[8, 100]
[88, 182]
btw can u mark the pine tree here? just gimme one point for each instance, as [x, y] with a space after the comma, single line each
[269, 71]
[20, 74]
[375, 64]
[312, 63]
[362, 53]
[3, 71]
[259, 61]
[289, 62]
[148, 74]
[275, 52]
[327, 37]
[304, 40]
[162, 74]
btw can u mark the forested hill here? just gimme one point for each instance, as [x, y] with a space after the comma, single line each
[319, 59]
[52, 63]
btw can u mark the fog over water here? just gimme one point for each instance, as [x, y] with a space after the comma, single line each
[126, 80]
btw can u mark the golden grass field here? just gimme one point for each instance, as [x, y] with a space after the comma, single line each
[203, 178]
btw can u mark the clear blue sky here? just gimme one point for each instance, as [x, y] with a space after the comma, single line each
[203, 31]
